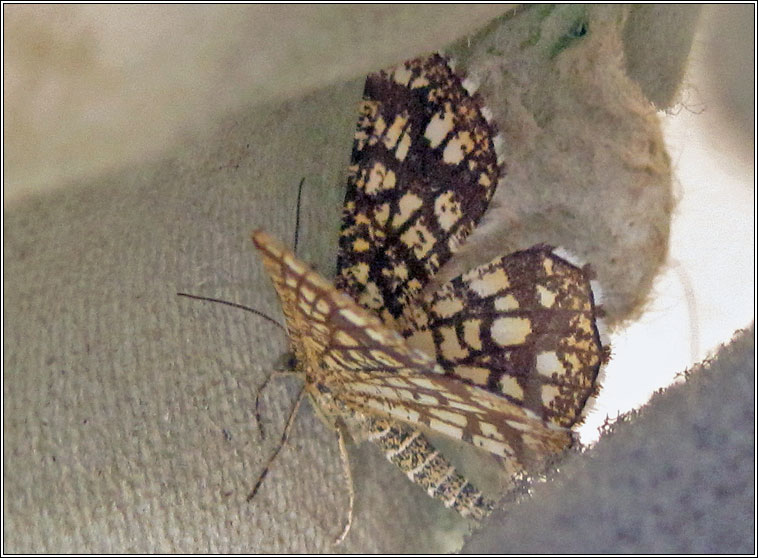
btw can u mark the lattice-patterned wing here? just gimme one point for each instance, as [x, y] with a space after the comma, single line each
[337, 343]
[522, 327]
[423, 171]
[369, 369]
[446, 405]
[333, 337]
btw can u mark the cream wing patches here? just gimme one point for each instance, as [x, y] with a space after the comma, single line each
[486, 420]
[331, 336]
[423, 171]
[522, 326]
[357, 369]
[355, 366]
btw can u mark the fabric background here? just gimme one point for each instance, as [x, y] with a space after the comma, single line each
[133, 173]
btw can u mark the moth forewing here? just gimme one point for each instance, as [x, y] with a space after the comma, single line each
[353, 362]
[339, 345]
[448, 406]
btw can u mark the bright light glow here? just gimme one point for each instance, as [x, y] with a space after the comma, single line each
[706, 289]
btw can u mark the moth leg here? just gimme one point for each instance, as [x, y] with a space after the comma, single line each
[285, 366]
[341, 436]
[285, 436]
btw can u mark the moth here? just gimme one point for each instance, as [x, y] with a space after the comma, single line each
[503, 357]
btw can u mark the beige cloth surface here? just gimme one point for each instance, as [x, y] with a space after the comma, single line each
[128, 418]
[92, 87]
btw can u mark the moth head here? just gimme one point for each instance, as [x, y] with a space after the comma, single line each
[288, 362]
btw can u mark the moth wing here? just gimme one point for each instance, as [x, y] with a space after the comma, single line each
[522, 326]
[423, 171]
[448, 406]
[329, 332]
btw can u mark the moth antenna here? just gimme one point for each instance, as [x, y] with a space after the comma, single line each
[297, 215]
[262, 315]
[236, 305]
